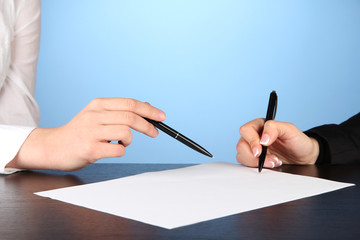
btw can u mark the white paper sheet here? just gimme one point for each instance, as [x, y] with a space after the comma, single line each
[180, 197]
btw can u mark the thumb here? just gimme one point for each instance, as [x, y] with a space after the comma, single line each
[274, 130]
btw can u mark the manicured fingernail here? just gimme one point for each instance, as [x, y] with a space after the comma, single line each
[278, 163]
[265, 139]
[269, 164]
[256, 152]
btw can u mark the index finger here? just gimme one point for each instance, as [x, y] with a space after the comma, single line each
[129, 104]
[251, 134]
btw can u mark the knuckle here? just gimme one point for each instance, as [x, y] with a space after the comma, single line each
[243, 129]
[128, 134]
[130, 104]
[150, 128]
[269, 124]
[242, 145]
[130, 118]
[151, 112]
[254, 143]
[96, 102]
[290, 125]
[89, 116]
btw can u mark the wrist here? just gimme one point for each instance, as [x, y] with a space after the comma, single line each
[32, 154]
[315, 152]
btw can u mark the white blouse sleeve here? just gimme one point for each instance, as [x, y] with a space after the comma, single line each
[11, 139]
[20, 40]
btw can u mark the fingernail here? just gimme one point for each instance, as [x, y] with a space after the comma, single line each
[265, 139]
[278, 162]
[269, 164]
[256, 152]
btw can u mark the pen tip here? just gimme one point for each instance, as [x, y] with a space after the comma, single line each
[212, 157]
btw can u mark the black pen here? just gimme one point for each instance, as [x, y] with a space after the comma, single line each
[178, 136]
[270, 115]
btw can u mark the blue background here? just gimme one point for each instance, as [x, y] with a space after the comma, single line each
[210, 65]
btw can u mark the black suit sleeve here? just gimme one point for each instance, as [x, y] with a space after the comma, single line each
[339, 144]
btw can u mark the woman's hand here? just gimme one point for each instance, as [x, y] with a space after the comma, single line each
[86, 138]
[286, 144]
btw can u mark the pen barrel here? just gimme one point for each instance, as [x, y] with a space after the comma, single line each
[271, 111]
[270, 115]
[262, 158]
[178, 136]
[188, 142]
[163, 127]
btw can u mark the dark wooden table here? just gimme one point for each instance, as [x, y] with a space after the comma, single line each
[23, 215]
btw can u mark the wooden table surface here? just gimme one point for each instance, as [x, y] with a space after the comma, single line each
[23, 215]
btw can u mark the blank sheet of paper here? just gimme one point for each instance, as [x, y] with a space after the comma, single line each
[189, 195]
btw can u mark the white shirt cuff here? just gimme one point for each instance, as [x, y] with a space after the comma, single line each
[11, 140]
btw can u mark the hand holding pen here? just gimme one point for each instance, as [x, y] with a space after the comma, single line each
[92, 134]
[101, 130]
[286, 144]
